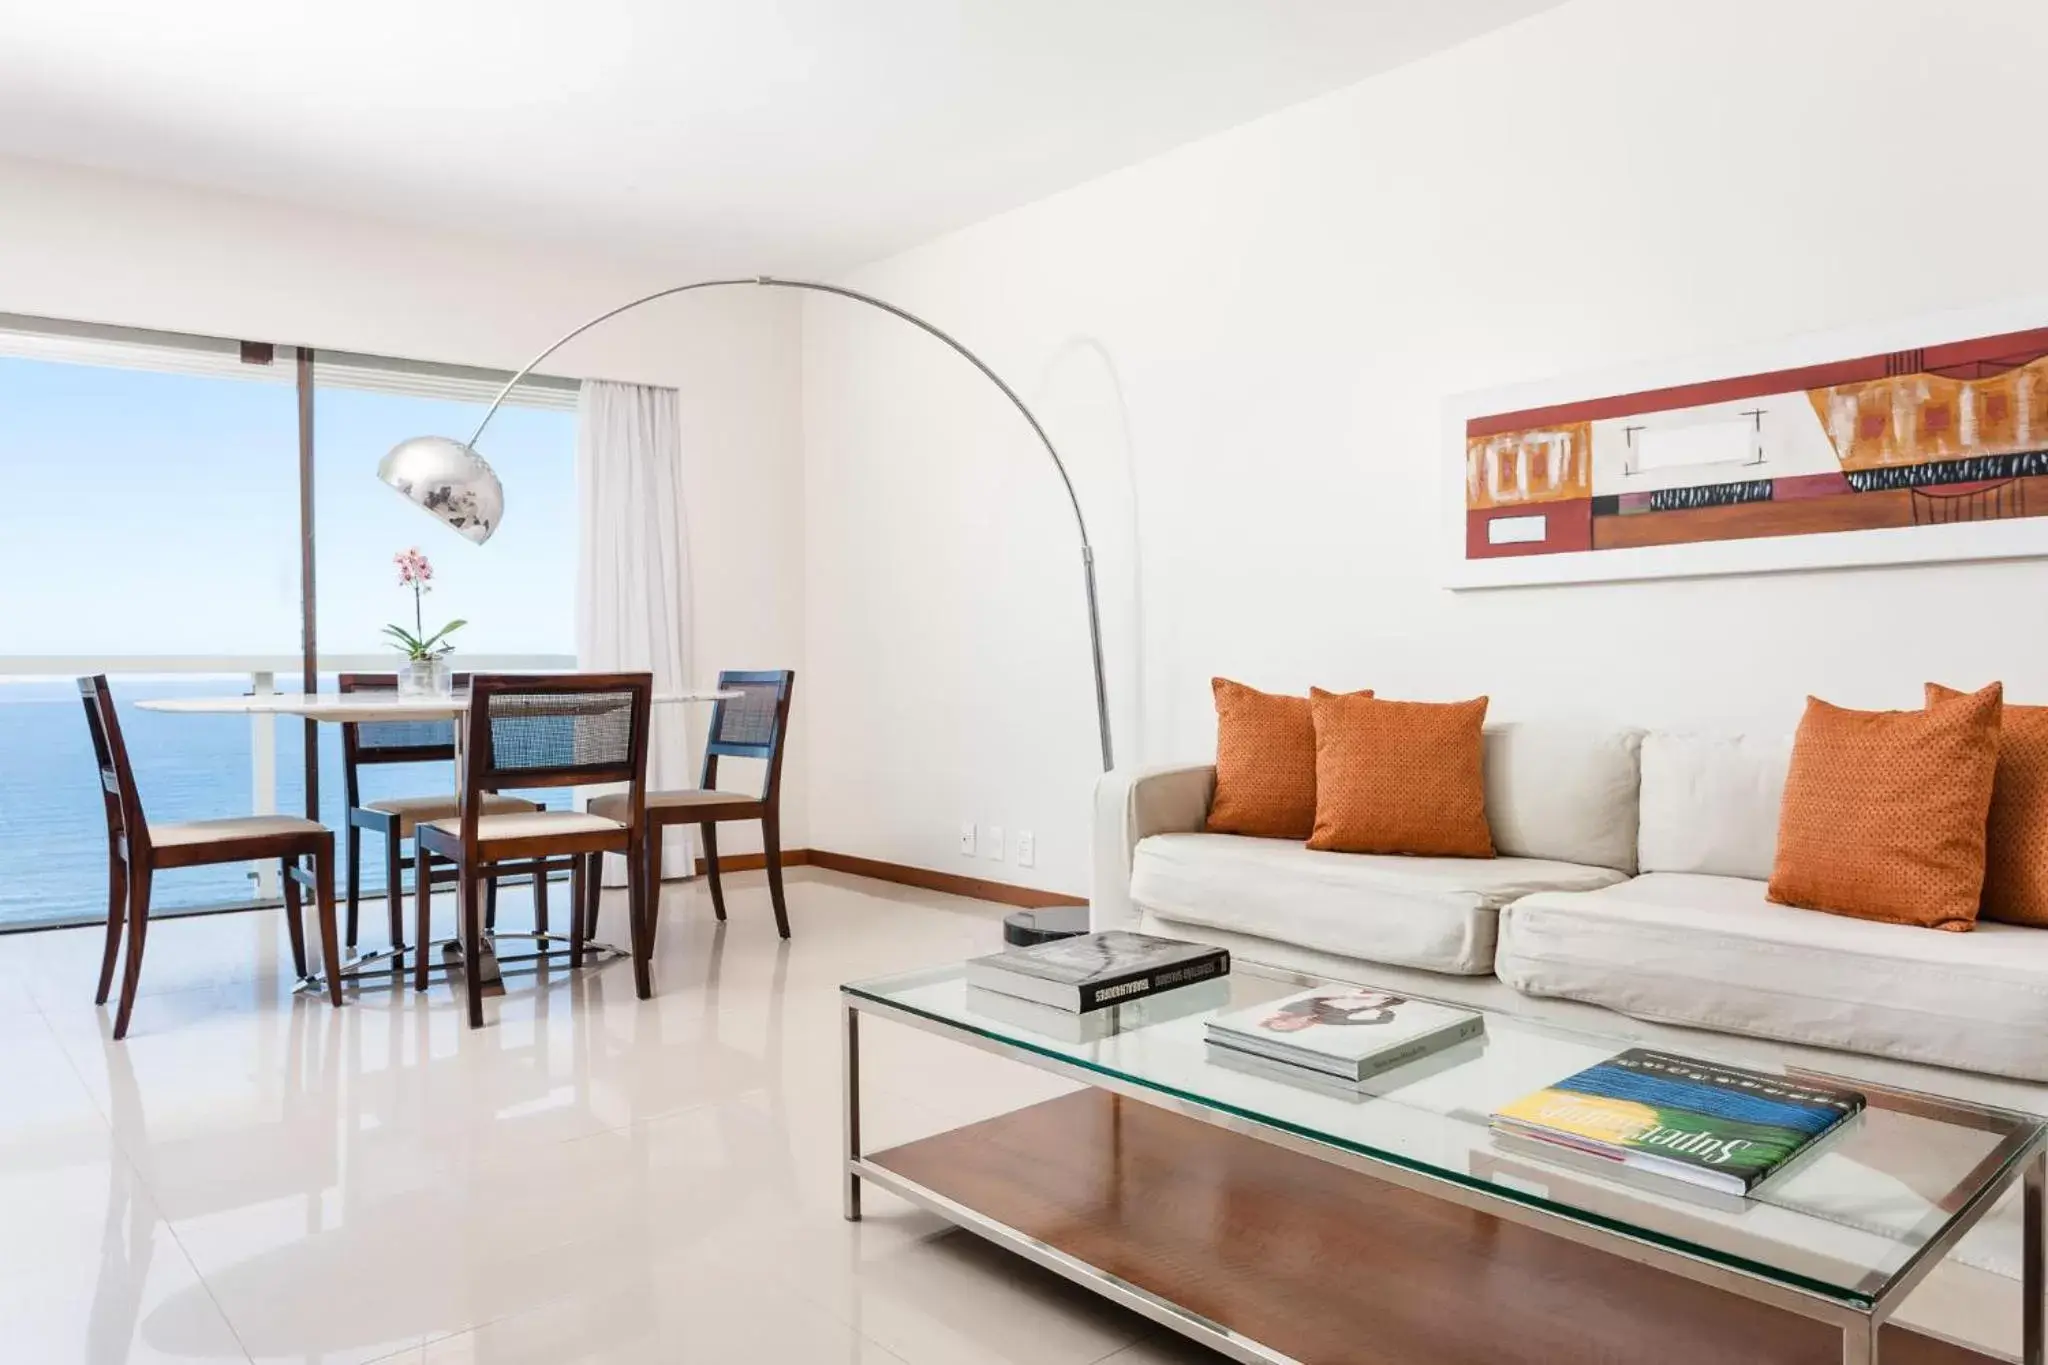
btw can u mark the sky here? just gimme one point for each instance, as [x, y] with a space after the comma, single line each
[147, 513]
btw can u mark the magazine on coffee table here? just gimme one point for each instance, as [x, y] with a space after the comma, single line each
[1722, 1127]
[1349, 1032]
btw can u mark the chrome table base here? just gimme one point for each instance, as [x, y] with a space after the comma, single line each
[393, 960]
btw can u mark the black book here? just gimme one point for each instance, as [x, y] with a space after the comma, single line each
[1097, 970]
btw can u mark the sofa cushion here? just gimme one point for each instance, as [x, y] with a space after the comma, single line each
[2016, 836]
[1563, 791]
[1400, 776]
[1265, 763]
[1710, 803]
[1435, 913]
[1714, 952]
[1884, 811]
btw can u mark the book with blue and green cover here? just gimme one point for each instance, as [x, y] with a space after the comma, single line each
[1717, 1126]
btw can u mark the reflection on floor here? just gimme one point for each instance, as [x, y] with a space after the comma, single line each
[254, 1176]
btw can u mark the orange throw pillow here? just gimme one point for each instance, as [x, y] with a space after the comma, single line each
[2016, 836]
[1400, 776]
[1265, 763]
[1884, 811]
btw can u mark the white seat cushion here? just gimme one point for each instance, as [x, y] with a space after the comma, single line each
[1434, 913]
[413, 810]
[233, 827]
[1713, 952]
[612, 805]
[530, 824]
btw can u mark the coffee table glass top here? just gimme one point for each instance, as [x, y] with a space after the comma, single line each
[1845, 1220]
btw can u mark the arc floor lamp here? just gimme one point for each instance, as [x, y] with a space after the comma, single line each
[451, 480]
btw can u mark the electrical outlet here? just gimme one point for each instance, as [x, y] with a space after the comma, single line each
[967, 838]
[1027, 848]
[992, 844]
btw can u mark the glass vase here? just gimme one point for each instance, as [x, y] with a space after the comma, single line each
[428, 677]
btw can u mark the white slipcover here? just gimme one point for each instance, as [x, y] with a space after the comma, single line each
[1563, 791]
[1436, 913]
[1710, 803]
[1713, 952]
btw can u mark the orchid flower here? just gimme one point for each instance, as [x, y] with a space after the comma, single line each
[415, 571]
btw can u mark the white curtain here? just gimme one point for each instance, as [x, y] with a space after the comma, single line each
[633, 567]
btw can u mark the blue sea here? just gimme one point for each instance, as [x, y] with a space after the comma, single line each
[53, 830]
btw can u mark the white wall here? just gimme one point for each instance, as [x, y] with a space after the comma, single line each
[1263, 326]
[79, 244]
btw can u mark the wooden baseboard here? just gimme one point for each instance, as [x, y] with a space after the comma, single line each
[754, 862]
[1002, 893]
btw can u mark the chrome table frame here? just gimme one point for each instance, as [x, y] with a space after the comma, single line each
[358, 966]
[489, 971]
[1860, 1321]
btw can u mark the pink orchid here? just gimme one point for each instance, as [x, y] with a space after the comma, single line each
[415, 572]
[413, 568]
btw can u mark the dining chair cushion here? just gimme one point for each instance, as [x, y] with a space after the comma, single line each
[537, 824]
[415, 810]
[186, 832]
[613, 804]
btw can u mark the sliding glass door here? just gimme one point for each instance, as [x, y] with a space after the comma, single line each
[150, 529]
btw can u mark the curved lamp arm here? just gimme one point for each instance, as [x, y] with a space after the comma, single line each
[770, 281]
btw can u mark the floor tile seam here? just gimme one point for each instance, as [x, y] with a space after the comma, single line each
[205, 1285]
[85, 1086]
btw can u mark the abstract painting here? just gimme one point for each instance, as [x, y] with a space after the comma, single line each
[1906, 455]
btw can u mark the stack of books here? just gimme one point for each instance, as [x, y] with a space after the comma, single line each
[1657, 1117]
[1341, 1034]
[1090, 973]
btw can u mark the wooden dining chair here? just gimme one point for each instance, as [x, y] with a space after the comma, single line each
[533, 731]
[372, 743]
[752, 725]
[136, 850]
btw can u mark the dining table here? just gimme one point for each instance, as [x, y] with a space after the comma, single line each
[342, 708]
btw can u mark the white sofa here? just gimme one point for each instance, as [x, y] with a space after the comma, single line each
[1628, 898]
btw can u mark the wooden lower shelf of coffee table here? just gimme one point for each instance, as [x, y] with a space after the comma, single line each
[1334, 1268]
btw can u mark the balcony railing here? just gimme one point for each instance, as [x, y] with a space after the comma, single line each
[52, 830]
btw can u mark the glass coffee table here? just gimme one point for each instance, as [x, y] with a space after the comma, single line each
[1202, 1225]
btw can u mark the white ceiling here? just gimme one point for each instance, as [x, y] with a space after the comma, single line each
[750, 135]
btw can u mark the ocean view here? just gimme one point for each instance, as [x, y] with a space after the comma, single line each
[53, 836]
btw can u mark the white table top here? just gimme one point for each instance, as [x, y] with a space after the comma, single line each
[354, 706]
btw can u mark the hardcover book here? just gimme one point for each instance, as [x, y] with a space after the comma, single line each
[1349, 1032]
[1539, 1162]
[1717, 1126]
[1069, 1026]
[1386, 1081]
[1096, 970]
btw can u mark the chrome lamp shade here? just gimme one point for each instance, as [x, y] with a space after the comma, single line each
[450, 480]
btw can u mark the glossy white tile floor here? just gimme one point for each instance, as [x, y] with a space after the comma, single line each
[254, 1176]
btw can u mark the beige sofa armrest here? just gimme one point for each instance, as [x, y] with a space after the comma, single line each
[1129, 805]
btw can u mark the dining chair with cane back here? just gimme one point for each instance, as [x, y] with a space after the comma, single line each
[535, 731]
[137, 850]
[753, 724]
[373, 743]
